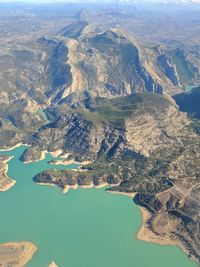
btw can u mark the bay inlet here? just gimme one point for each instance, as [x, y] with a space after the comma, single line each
[83, 228]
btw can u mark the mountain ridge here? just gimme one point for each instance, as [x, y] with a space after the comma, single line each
[106, 98]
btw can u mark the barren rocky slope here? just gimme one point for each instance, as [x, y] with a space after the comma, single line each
[16, 254]
[146, 146]
[107, 64]
[5, 182]
[80, 62]
[106, 98]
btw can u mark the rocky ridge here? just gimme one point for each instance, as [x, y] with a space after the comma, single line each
[105, 95]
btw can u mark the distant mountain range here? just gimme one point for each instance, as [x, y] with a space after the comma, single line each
[83, 61]
[107, 99]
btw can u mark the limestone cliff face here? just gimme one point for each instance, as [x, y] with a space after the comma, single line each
[169, 69]
[84, 60]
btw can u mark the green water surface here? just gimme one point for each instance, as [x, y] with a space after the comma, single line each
[83, 228]
[189, 88]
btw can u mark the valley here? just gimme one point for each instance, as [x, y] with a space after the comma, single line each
[106, 91]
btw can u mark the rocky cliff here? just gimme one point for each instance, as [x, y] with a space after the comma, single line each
[89, 61]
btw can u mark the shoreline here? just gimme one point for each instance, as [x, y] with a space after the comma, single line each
[76, 186]
[131, 195]
[53, 264]
[57, 153]
[13, 147]
[146, 235]
[47, 184]
[9, 182]
[70, 162]
[67, 188]
[42, 157]
[23, 252]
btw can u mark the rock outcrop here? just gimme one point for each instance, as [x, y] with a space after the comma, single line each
[5, 182]
[16, 254]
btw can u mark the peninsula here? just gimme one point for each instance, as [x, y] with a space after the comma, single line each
[104, 91]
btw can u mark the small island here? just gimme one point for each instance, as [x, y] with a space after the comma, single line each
[16, 253]
[53, 264]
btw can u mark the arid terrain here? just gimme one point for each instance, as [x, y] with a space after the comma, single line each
[108, 87]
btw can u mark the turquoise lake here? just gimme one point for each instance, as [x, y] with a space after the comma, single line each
[189, 88]
[83, 228]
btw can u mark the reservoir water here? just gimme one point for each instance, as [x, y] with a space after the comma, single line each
[83, 228]
[189, 88]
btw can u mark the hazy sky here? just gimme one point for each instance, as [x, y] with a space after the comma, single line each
[61, 1]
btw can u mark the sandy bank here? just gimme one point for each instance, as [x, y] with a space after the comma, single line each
[101, 185]
[53, 264]
[47, 184]
[5, 182]
[131, 195]
[76, 186]
[16, 252]
[68, 187]
[70, 162]
[145, 234]
[89, 186]
[42, 157]
[8, 184]
[65, 155]
[11, 148]
[56, 153]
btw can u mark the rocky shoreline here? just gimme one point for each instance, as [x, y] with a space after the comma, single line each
[5, 182]
[146, 233]
[16, 253]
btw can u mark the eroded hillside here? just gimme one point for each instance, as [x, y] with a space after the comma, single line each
[103, 97]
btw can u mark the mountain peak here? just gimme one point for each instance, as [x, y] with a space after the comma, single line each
[79, 28]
